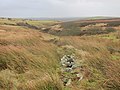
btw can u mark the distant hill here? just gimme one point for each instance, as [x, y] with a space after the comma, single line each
[73, 18]
[60, 19]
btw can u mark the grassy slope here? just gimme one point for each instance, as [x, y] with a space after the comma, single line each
[29, 59]
[101, 68]
[26, 61]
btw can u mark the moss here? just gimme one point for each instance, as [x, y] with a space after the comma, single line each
[115, 57]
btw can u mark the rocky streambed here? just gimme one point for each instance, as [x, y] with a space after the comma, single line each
[70, 70]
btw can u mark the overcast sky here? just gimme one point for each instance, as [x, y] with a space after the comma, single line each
[59, 8]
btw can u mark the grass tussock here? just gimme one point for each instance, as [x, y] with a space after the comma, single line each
[102, 65]
[26, 61]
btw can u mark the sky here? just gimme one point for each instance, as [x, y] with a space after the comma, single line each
[59, 8]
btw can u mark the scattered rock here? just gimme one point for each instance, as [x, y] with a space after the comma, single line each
[79, 76]
[68, 82]
[70, 70]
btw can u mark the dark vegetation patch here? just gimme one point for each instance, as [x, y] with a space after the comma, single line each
[113, 24]
[96, 31]
[27, 25]
[75, 29]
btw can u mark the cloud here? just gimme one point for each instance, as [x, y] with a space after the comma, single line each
[59, 8]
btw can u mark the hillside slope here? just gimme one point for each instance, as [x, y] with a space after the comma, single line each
[30, 57]
[27, 60]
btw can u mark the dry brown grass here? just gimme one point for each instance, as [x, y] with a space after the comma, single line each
[104, 70]
[27, 62]
[30, 61]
